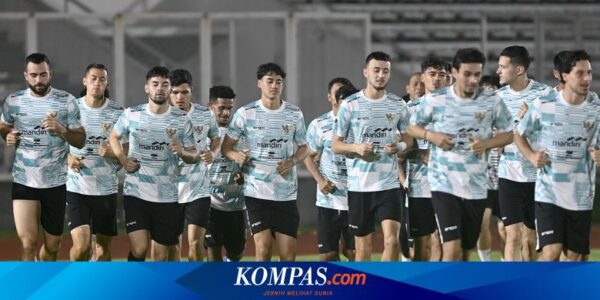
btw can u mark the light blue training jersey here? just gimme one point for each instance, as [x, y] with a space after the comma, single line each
[458, 171]
[225, 193]
[270, 136]
[331, 166]
[416, 171]
[513, 166]
[149, 137]
[567, 132]
[376, 121]
[99, 176]
[41, 158]
[194, 181]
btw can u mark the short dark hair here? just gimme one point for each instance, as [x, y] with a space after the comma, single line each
[518, 55]
[345, 92]
[433, 62]
[37, 58]
[569, 60]
[340, 80]
[95, 66]
[377, 55]
[491, 80]
[220, 91]
[467, 56]
[267, 68]
[559, 58]
[158, 71]
[179, 77]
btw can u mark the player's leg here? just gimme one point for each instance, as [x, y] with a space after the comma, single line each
[286, 223]
[259, 220]
[104, 225]
[328, 234]
[234, 235]
[550, 230]
[361, 220]
[166, 227]
[52, 220]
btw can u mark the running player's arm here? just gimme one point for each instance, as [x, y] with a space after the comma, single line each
[526, 127]
[315, 148]
[209, 155]
[236, 129]
[74, 136]
[421, 118]
[5, 129]
[73, 133]
[503, 123]
[189, 153]
[6, 121]
[338, 144]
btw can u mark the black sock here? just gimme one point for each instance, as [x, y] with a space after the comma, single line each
[132, 257]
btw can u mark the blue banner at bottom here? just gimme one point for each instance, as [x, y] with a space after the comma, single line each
[299, 280]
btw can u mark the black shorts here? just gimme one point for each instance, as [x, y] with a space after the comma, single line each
[100, 212]
[558, 225]
[278, 216]
[52, 201]
[516, 202]
[164, 221]
[421, 220]
[197, 212]
[332, 224]
[226, 229]
[493, 203]
[366, 208]
[458, 218]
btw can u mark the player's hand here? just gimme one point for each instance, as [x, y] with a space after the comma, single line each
[523, 110]
[53, 126]
[477, 145]
[75, 163]
[326, 187]
[207, 157]
[595, 153]
[390, 148]
[441, 140]
[176, 147]
[131, 165]
[539, 159]
[284, 166]
[241, 157]
[363, 149]
[238, 177]
[104, 149]
[13, 138]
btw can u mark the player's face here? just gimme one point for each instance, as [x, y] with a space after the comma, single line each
[95, 82]
[507, 72]
[579, 79]
[158, 89]
[415, 88]
[222, 109]
[433, 79]
[377, 73]
[449, 80]
[331, 95]
[467, 77]
[181, 96]
[38, 77]
[271, 86]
